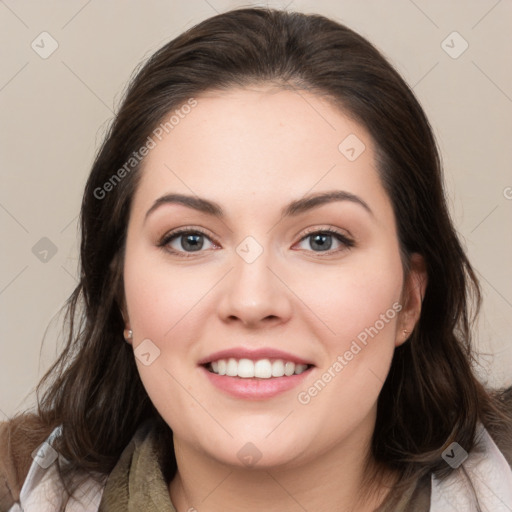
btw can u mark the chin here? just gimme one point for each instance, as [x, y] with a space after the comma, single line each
[258, 453]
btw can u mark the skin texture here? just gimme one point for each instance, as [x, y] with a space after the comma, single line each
[253, 151]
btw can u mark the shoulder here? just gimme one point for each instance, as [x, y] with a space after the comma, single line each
[485, 475]
[503, 437]
[38, 484]
[19, 437]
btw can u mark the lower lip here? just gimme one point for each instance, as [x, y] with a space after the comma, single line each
[255, 389]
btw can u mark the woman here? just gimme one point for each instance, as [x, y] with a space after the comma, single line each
[274, 309]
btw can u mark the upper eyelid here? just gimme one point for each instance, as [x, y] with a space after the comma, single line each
[181, 231]
[334, 231]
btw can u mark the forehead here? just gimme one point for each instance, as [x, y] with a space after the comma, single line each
[262, 143]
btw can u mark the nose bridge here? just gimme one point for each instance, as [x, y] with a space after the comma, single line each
[253, 292]
[252, 262]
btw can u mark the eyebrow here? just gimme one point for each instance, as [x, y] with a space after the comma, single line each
[292, 209]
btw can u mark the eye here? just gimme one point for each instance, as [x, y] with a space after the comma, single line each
[185, 240]
[323, 240]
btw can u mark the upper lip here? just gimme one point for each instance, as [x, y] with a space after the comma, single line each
[254, 354]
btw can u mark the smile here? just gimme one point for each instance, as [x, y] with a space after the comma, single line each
[269, 377]
[260, 369]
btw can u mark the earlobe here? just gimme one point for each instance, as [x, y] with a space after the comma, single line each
[128, 335]
[414, 291]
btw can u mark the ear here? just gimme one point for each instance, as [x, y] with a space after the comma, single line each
[127, 332]
[412, 298]
[116, 268]
[124, 312]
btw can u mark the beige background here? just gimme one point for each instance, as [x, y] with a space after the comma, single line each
[56, 110]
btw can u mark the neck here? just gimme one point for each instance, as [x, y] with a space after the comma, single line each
[332, 481]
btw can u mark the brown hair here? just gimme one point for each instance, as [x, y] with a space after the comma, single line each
[431, 396]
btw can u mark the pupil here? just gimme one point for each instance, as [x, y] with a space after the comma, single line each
[322, 244]
[194, 244]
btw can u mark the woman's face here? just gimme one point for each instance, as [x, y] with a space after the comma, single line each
[263, 285]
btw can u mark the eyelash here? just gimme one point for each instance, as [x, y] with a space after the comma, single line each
[169, 237]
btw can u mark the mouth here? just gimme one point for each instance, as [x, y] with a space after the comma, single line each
[254, 374]
[265, 368]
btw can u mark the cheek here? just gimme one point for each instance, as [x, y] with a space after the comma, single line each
[361, 310]
[162, 302]
[360, 295]
[159, 295]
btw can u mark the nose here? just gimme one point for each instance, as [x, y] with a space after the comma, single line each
[255, 294]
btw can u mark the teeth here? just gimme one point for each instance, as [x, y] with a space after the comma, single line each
[232, 368]
[277, 368]
[261, 369]
[289, 369]
[245, 368]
